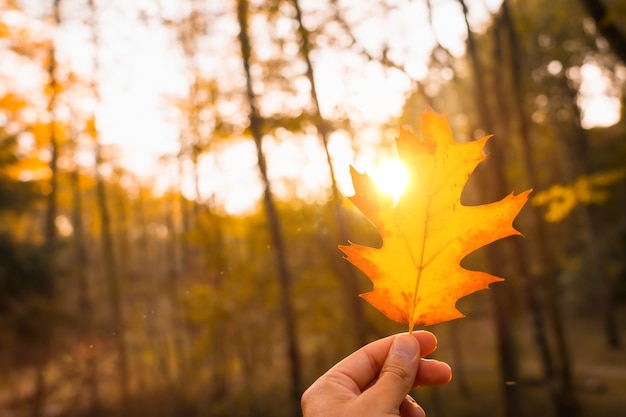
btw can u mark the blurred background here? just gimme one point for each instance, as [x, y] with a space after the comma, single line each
[172, 193]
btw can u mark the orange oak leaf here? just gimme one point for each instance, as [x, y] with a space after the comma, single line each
[416, 273]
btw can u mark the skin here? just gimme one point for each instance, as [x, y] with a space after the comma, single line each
[375, 380]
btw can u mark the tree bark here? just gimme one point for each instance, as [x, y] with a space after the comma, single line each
[50, 235]
[178, 323]
[349, 278]
[113, 284]
[505, 337]
[576, 165]
[86, 333]
[278, 245]
[562, 393]
[53, 85]
[186, 249]
[503, 28]
[108, 253]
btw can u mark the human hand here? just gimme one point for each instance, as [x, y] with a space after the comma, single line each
[375, 380]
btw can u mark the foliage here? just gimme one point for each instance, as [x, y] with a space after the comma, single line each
[14, 194]
[562, 199]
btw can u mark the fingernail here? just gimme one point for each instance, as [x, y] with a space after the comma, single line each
[405, 345]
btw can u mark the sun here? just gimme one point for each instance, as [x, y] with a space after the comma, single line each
[390, 176]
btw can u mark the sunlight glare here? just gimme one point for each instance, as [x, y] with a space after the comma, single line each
[600, 107]
[391, 177]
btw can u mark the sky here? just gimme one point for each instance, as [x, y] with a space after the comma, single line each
[142, 69]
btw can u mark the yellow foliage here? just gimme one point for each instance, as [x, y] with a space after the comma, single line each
[90, 127]
[5, 31]
[29, 169]
[12, 102]
[41, 133]
[560, 200]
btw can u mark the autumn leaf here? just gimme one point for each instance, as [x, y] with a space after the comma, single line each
[416, 273]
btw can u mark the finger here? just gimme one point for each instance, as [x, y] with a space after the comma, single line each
[432, 372]
[409, 408]
[427, 341]
[396, 375]
[360, 369]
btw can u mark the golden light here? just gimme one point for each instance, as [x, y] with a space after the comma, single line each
[391, 177]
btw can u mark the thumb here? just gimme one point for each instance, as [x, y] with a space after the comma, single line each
[397, 374]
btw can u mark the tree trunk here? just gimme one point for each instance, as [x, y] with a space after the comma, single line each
[576, 165]
[50, 235]
[108, 254]
[53, 85]
[278, 244]
[186, 250]
[124, 254]
[562, 394]
[113, 284]
[180, 332]
[505, 338]
[86, 333]
[349, 278]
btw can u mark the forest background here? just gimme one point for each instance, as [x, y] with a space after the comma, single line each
[172, 193]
